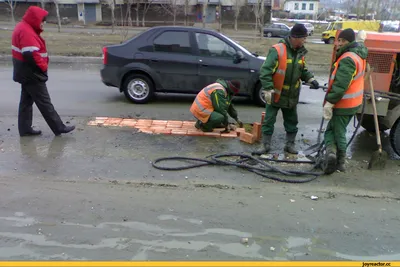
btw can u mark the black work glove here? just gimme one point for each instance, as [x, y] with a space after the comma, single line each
[314, 85]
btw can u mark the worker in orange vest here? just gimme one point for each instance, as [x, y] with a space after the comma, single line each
[343, 98]
[213, 104]
[281, 76]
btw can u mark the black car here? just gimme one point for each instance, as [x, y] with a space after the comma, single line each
[179, 59]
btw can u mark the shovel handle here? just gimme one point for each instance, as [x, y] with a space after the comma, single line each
[377, 131]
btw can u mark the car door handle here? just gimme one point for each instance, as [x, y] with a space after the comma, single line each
[204, 65]
[154, 60]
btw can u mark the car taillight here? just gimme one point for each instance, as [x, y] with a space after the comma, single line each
[105, 56]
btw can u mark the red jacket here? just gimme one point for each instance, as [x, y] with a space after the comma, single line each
[29, 51]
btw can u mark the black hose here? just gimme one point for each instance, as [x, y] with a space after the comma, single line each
[245, 162]
[249, 162]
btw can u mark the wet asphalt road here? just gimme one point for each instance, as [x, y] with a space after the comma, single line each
[93, 194]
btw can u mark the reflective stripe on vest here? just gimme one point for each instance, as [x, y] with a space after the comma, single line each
[278, 77]
[353, 96]
[202, 106]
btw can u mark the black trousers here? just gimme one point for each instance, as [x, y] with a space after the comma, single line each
[37, 93]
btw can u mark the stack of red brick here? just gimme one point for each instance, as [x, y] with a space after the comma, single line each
[177, 128]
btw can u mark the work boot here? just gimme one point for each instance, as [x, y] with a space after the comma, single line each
[341, 160]
[31, 132]
[266, 145]
[199, 125]
[290, 146]
[330, 161]
[65, 130]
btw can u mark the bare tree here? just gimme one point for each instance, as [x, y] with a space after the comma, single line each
[146, 6]
[204, 11]
[172, 8]
[129, 4]
[111, 4]
[238, 4]
[12, 4]
[58, 15]
[42, 4]
[186, 11]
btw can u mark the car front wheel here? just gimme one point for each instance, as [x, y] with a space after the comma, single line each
[138, 88]
[269, 34]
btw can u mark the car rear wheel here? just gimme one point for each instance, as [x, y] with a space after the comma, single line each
[138, 88]
[259, 96]
[395, 137]
[331, 40]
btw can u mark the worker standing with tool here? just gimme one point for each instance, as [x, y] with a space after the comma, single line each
[281, 76]
[343, 97]
[213, 104]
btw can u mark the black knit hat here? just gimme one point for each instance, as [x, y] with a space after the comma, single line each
[234, 86]
[348, 34]
[298, 31]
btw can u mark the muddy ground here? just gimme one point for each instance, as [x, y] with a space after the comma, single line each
[93, 194]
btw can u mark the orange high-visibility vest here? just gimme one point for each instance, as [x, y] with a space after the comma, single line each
[202, 106]
[278, 77]
[353, 96]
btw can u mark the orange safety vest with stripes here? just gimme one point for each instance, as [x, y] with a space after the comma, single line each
[353, 96]
[278, 77]
[202, 106]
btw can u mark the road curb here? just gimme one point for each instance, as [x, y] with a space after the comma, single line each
[63, 59]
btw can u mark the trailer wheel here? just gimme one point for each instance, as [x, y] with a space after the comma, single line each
[395, 137]
[369, 124]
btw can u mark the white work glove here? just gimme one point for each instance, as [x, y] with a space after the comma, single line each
[268, 96]
[361, 36]
[328, 110]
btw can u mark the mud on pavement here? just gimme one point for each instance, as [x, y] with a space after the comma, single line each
[123, 155]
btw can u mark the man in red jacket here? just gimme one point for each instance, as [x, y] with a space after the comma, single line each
[30, 62]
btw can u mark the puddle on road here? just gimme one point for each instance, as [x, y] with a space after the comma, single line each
[34, 246]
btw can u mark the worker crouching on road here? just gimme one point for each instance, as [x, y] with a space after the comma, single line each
[213, 104]
[343, 98]
[281, 76]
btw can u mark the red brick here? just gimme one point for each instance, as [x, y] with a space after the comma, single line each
[178, 132]
[231, 134]
[146, 130]
[158, 122]
[192, 123]
[212, 134]
[195, 132]
[240, 130]
[247, 138]
[113, 121]
[262, 116]
[256, 131]
[157, 127]
[162, 131]
[128, 123]
[174, 124]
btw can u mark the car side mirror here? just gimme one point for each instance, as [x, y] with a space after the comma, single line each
[238, 57]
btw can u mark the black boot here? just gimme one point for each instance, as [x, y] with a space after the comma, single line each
[290, 143]
[341, 160]
[266, 145]
[31, 132]
[66, 129]
[329, 165]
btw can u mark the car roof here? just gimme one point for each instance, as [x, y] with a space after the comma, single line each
[183, 28]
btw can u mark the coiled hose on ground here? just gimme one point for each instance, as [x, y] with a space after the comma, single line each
[259, 165]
